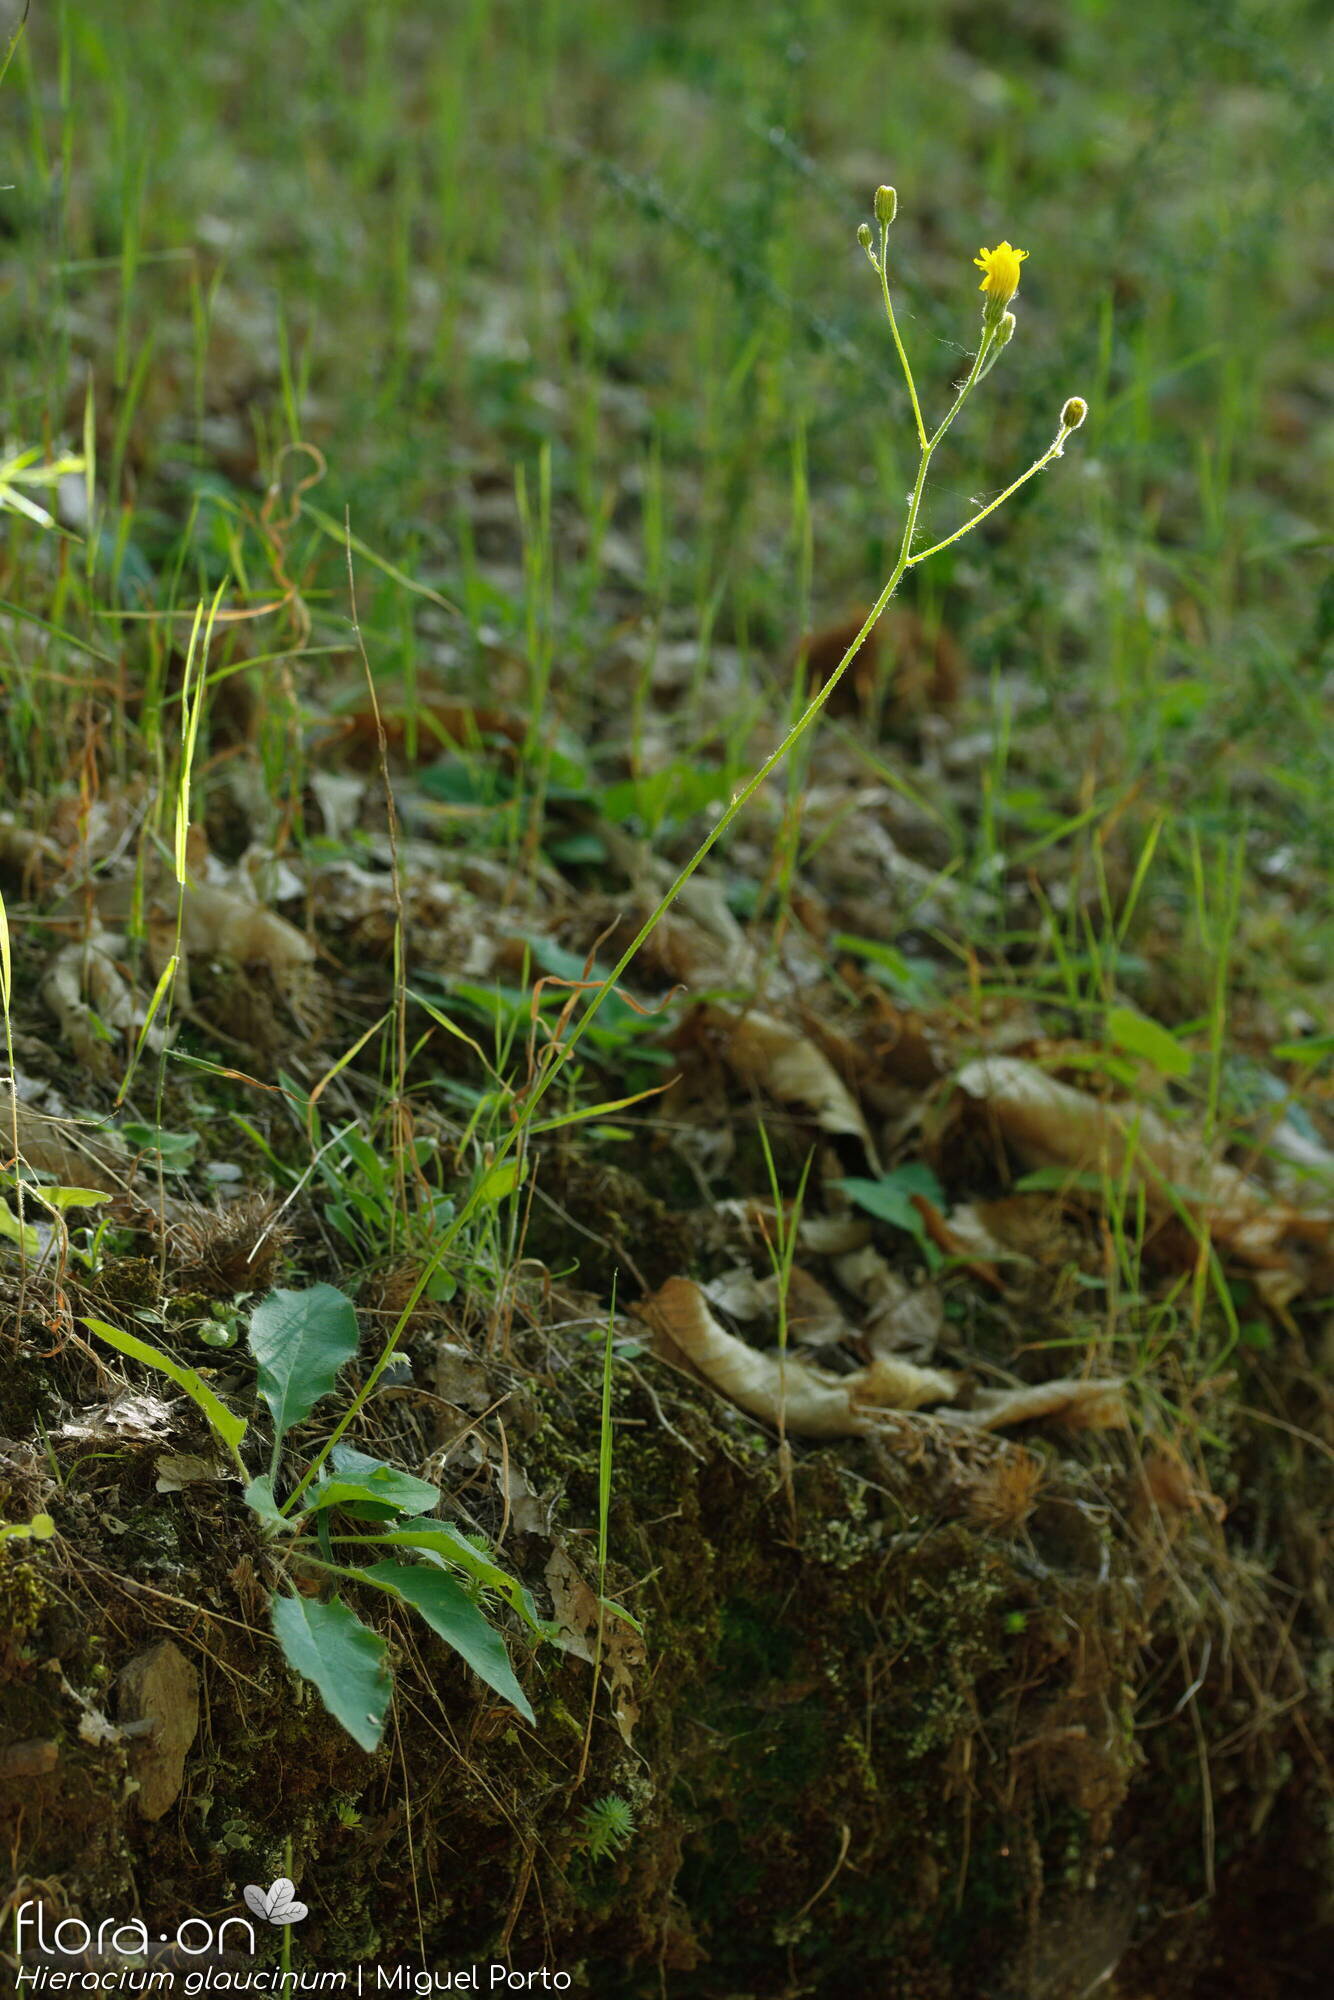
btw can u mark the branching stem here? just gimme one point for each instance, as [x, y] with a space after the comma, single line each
[513, 1140]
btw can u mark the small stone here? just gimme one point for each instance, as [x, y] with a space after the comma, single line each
[160, 1687]
[29, 1760]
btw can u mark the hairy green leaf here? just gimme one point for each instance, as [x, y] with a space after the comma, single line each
[443, 1542]
[1145, 1038]
[258, 1496]
[890, 1198]
[301, 1340]
[357, 1478]
[329, 1645]
[450, 1612]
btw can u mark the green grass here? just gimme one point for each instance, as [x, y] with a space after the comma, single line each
[599, 251]
[606, 266]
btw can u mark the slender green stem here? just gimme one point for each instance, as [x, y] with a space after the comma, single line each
[1054, 450]
[515, 1139]
[988, 335]
[605, 1453]
[344, 1570]
[285, 1960]
[741, 799]
[894, 329]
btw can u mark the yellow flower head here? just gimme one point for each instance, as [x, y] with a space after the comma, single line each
[1000, 272]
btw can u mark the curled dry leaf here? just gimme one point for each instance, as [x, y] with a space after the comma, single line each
[97, 1008]
[900, 1318]
[809, 1401]
[226, 925]
[784, 1062]
[222, 923]
[61, 1147]
[1050, 1124]
[1081, 1405]
[890, 1383]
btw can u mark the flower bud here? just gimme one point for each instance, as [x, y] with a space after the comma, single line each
[864, 235]
[1004, 333]
[886, 206]
[1073, 412]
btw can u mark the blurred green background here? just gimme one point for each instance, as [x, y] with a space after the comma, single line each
[435, 239]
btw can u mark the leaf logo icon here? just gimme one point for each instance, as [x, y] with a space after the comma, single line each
[277, 1904]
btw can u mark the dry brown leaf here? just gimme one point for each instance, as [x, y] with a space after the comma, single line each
[736, 1293]
[217, 923]
[814, 1317]
[991, 1232]
[888, 1382]
[1050, 1124]
[61, 1147]
[945, 1238]
[833, 1235]
[221, 923]
[810, 1402]
[899, 1316]
[784, 1062]
[179, 1469]
[1081, 1405]
[88, 994]
[779, 1389]
[460, 1377]
[903, 1045]
[577, 1615]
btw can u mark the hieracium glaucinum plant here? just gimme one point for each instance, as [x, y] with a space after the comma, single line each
[1000, 270]
[1000, 284]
